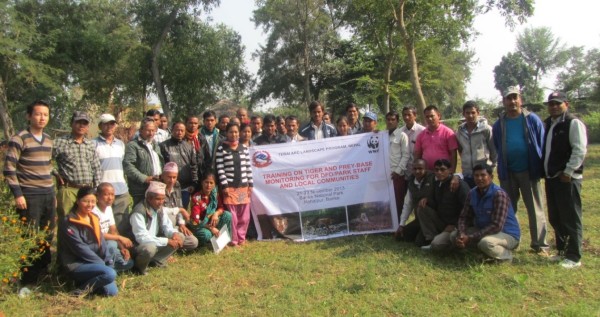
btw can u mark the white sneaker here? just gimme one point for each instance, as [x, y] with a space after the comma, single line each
[426, 247]
[568, 264]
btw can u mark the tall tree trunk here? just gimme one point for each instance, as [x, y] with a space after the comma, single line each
[386, 83]
[412, 58]
[160, 88]
[7, 124]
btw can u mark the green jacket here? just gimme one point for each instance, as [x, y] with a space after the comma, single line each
[137, 164]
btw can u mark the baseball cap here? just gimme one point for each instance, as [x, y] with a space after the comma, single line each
[80, 115]
[107, 117]
[557, 96]
[370, 115]
[511, 90]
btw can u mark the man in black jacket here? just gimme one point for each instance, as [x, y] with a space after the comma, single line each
[438, 214]
[563, 154]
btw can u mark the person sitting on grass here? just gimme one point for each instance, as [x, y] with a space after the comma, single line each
[156, 238]
[438, 213]
[208, 214]
[82, 250]
[496, 230]
[118, 245]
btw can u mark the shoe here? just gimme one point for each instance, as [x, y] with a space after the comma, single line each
[426, 247]
[568, 264]
[555, 258]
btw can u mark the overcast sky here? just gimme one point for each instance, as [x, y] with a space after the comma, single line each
[575, 22]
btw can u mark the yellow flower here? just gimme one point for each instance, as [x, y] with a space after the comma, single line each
[15, 274]
[23, 258]
[5, 280]
[5, 219]
[13, 221]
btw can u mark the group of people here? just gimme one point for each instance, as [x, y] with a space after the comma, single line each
[453, 211]
[187, 181]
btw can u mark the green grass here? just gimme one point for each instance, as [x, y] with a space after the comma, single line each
[364, 275]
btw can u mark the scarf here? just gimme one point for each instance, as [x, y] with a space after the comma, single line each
[193, 138]
[215, 136]
[203, 207]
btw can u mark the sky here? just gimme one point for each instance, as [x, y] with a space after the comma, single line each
[574, 22]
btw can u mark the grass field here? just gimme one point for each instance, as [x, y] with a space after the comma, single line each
[364, 275]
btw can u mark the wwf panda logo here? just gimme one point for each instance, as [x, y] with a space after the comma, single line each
[373, 142]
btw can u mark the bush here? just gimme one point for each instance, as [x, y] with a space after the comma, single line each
[592, 123]
[19, 242]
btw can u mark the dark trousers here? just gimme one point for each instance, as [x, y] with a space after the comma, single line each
[400, 189]
[40, 215]
[564, 212]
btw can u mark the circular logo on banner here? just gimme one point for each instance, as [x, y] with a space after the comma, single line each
[373, 142]
[261, 159]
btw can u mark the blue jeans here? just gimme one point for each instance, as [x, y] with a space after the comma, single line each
[120, 265]
[99, 278]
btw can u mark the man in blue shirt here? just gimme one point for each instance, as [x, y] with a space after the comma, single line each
[518, 136]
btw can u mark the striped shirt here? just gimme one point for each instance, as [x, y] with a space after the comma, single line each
[28, 167]
[233, 166]
[111, 163]
[77, 162]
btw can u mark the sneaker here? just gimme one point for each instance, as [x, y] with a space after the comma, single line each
[568, 264]
[555, 258]
[426, 247]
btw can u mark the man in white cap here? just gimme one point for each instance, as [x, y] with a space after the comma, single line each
[111, 151]
[77, 163]
[173, 206]
[154, 234]
[518, 137]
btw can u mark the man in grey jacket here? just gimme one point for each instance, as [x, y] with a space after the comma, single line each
[142, 161]
[475, 143]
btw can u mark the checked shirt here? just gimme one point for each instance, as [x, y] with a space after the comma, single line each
[77, 163]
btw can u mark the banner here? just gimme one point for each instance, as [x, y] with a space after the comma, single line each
[323, 188]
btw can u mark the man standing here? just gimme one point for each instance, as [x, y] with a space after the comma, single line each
[256, 126]
[242, 115]
[142, 161]
[222, 125]
[160, 135]
[195, 138]
[27, 170]
[156, 238]
[210, 132]
[369, 123]
[412, 129]
[177, 150]
[563, 155]
[291, 126]
[77, 163]
[475, 143]
[488, 219]
[437, 141]
[399, 156]
[518, 136]
[317, 129]
[353, 120]
[110, 152]
[269, 135]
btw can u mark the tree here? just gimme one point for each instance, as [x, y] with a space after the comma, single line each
[580, 74]
[541, 51]
[448, 21]
[157, 17]
[513, 71]
[300, 44]
[21, 70]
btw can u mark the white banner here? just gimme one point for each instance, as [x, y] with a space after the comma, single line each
[324, 188]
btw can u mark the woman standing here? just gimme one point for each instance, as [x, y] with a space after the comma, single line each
[82, 249]
[246, 135]
[235, 179]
